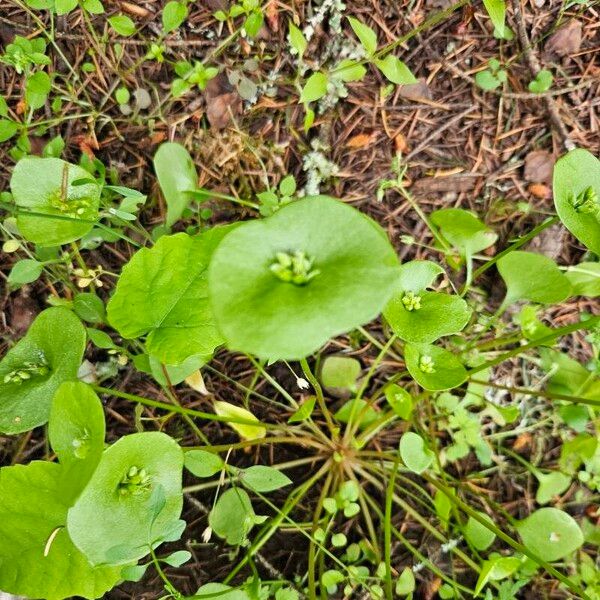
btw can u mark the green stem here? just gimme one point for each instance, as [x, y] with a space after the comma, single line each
[179, 409]
[587, 324]
[505, 537]
[334, 430]
[514, 246]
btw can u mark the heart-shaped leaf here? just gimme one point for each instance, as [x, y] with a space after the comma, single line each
[45, 185]
[176, 174]
[576, 186]
[132, 500]
[282, 286]
[533, 277]
[550, 533]
[34, 368]
[434, 368]
[162, 292]
[417, 275]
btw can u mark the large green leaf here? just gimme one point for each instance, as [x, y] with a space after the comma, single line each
[32, 370]
[76, 430]
[282, 286]
[434, 368]
[163, 292]
[177, 177]
[45, 185]
[550, 533]
[532, 277]
[463, 230]
[37, 557]
[576, 184]
[132, 501]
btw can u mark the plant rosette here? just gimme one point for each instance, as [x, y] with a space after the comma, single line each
[281, 287]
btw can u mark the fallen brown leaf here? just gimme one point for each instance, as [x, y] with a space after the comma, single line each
[222, 102]
[415, 91]
[361, 140]
[566, 40]
[538, 166]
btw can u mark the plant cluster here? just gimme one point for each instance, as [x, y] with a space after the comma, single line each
[278, 288]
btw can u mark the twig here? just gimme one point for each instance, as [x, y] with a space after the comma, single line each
[535, 68]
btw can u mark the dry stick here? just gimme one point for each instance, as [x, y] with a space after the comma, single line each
[535, 68]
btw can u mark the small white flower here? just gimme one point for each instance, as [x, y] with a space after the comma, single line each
[206, 535]
[302, 383]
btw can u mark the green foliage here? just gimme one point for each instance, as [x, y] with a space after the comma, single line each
[162, 293]
[174, 14]
[542, 82]
[122, 24]
[492, 77]
[132, 502]
[532, 277]
[585, 279]
[62, 210]
[76, 432]
[233, 517]
[415, 455]
[260, 313]
[260, 478]
[202, 463]
[34, 368]
[340, 372]
[420, 316]
[39, 560]
[191, 74]
[177, 177]
[550, 533]
[576, 185]
[434, 368]
[477, 534]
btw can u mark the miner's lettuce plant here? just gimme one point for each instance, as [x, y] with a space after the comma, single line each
[280, 288]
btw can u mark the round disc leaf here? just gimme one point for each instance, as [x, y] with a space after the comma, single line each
[577, 177]
[414, 453]
[437, 315]
[533, 277]
[33, 506]
[550, 533]
[162, 292]
[341, 281]
[45, 185]
[132, 500]
[33, 369]
[434, 368]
